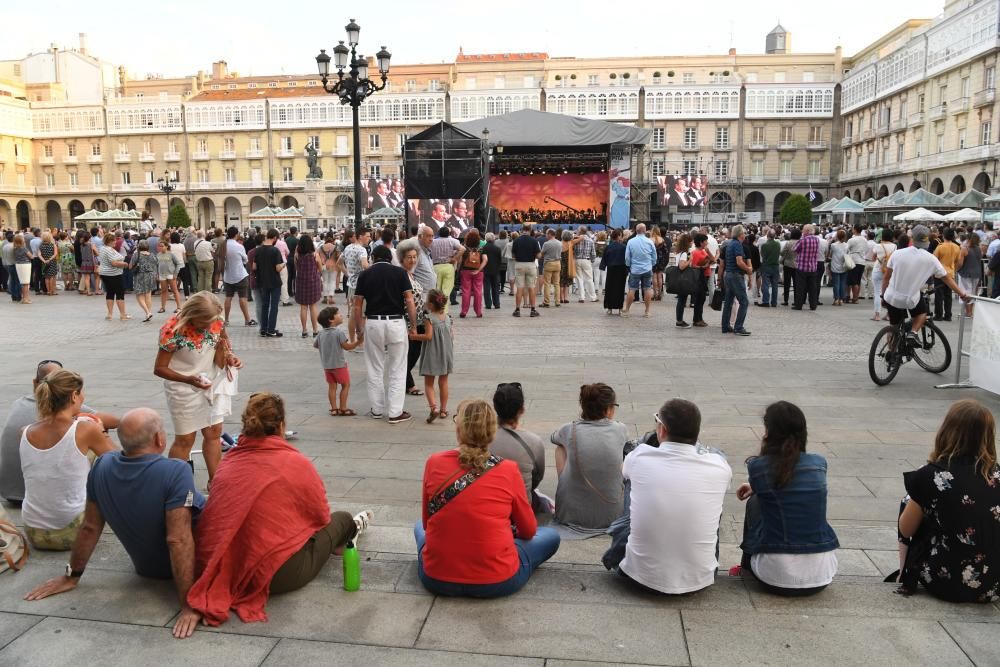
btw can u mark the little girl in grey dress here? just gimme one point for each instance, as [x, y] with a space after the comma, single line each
[437, 358]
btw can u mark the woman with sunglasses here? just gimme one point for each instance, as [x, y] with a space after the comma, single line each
[590, 492]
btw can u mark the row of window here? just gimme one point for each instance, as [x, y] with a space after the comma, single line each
[758, 136]
[720, 169]
[886, 154]
[200, 176]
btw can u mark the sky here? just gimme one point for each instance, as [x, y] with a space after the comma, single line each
[256, 37]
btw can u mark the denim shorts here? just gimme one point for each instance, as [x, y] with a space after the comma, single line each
[643, 279]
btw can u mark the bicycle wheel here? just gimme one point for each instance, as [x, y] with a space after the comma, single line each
[884, 359]
[933, 353]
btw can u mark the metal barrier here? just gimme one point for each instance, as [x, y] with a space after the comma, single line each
[959, 383]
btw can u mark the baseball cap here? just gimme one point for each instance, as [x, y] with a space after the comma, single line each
[920, 234]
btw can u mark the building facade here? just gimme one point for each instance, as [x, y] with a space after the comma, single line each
[914, 108]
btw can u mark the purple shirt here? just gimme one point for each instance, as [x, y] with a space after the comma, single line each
[807, 253]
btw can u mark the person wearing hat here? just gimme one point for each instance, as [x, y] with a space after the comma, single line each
[906, 272]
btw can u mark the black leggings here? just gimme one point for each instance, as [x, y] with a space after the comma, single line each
[412, 355]
[789, 278]
[114, 287]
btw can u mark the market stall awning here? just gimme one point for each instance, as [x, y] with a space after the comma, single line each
[965, 215]
[919, 215]
[825, 206]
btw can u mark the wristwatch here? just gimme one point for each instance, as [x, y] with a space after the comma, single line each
[71, 573]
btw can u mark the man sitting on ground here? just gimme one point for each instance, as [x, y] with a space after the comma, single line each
[150, 502]
[675, 503]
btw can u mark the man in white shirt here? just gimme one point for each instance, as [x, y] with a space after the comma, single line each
[235, 278]
[713, 250]
[675, 503]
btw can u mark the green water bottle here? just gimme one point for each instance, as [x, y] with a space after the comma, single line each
[352, 568]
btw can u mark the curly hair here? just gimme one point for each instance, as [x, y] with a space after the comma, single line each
[263, 415]
[476, 426]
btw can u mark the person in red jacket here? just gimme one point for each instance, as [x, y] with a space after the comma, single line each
[478, 537]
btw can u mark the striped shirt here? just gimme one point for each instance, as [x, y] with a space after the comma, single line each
[443, 249]
[585, 248]
[807, 253]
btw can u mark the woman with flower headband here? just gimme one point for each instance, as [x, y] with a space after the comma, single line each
[193, 351]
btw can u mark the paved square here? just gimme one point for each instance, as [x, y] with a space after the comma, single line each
[571, 610]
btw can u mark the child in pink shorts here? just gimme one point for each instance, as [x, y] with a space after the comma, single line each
[331, 344]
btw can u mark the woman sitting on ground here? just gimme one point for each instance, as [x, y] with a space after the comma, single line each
[515, 444]
[54, 459]
[787, 543]
[590, 492]
[465, 545]
[949, 528]
[267, 526]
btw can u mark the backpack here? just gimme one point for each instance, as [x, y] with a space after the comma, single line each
[473, 258]
[13, 545]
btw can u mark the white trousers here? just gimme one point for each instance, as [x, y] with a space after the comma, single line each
[386, 345]
[284, 286]
[585, 279]
[329, 283]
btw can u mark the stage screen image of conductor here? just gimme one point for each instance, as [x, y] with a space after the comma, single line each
[685, 191]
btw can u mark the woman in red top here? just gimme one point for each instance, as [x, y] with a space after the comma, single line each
[481, 536]
[701, 258]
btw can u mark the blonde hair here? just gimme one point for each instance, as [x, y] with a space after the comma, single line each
[967, 430]
[55, 391]
[263, 415]
[47, 237]
[109, 238]
[201, 307]
[18, 240]
[476, 427]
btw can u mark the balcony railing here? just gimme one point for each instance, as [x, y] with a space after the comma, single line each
[147, 157]
[687, 146]
[722, 147]
[200, 155]
[818, 145]
[373, 150]
[883, 128]
[758, 145]
[95, 159]
[133, 187]
[867, 134]
[938, 112]
[227, 155]
[897, 125]
[286, 152]
[123, 157]
[172, 156]
[46, 159]
[917, 118]
[984, 97]
[787, 145]
[67, 159]
[229, 185]
[342, 152]
[961, 105]
[847, 140]
[254, 154]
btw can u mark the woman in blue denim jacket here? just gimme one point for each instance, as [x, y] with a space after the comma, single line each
[787, 543]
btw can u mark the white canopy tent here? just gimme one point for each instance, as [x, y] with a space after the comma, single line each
[919, 215]
[964, 215]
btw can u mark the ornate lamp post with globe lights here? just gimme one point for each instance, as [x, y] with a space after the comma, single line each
[352, 88]
[166, 185]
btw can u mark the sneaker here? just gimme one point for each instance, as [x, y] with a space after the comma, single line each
[374, 415]
[400, 418]
[701, 323]
[683, 325]
[913, 339]
[534, 313]
[362, 520]
[741, 332]
[517, 312]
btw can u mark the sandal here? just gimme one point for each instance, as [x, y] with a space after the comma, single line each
[162, 310]
[347, 412]
[443, 414]
[126, 317]
[433, 415]
[251, 323]
[413, 391]
[334, 412]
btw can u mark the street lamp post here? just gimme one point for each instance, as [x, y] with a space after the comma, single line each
[166, 184]
[352, 89]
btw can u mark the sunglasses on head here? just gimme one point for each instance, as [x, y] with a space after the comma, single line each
[45, 362]
[508, 384]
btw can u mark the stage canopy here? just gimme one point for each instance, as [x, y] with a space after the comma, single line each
[537, 128]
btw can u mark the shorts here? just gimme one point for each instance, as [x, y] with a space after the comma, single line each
[240, 289]
[645, 280]
[897, 315]
[341, 376]
[854, 275]
[525, 275]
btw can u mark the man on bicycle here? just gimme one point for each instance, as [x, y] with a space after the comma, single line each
[907, 271]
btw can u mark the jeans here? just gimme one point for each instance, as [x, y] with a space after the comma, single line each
[681, 304]
[37, 283]
[269, 297]
[491, 289]
[472, 290]
[13, 283]
[531, 553]
[769, 286]
[877, 281]
[839, 286]
[585, 279]
[386, 345]
[258, 303]
[996, 287]
[736, 289]
[698, 298]
[820, 271]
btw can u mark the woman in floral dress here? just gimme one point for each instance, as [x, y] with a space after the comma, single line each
[949, 528]
[67, 262]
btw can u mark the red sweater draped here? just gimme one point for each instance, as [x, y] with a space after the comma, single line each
[267, 500]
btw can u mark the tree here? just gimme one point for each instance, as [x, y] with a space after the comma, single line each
[179, 217]
[796, 211]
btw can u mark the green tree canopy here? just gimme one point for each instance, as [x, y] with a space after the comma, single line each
[179, 217]
[796, 211]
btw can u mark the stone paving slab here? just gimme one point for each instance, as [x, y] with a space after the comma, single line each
[796, 639]
[298, 652]
[514, 626]
[978, 640]
[14, 625]
[64, 641]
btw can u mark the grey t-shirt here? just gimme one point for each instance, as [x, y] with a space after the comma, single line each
[532, 466]
[552, 250]
[590, 493]
[23, 413]
[329, 343]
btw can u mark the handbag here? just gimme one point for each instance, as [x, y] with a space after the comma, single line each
[849, 262]
[13, 545]
[681, 282]
[716, 300]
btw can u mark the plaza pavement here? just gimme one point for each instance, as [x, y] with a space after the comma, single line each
[572, 611]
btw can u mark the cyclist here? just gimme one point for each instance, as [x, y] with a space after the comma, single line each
[907, 271]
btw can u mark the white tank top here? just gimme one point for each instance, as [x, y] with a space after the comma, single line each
[55, 481]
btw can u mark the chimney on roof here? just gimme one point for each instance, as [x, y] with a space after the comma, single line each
[83, 42]
[220, 70]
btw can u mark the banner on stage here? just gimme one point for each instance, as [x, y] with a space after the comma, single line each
[984, 349]
[619, 186]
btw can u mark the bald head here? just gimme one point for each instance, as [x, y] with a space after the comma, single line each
[640, 229]
[141, 432]
[44, 369]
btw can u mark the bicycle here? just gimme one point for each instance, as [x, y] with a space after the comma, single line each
[893, 347]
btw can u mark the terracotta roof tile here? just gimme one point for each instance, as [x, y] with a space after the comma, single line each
[498, 57]
[260, 93]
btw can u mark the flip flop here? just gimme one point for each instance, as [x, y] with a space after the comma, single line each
[415, 392]
[348, 413]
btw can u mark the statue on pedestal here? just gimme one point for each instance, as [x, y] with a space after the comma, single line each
[312, 159]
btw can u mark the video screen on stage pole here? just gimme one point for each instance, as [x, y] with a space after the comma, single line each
[382, 193]
[686, 192]
[458, 214]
